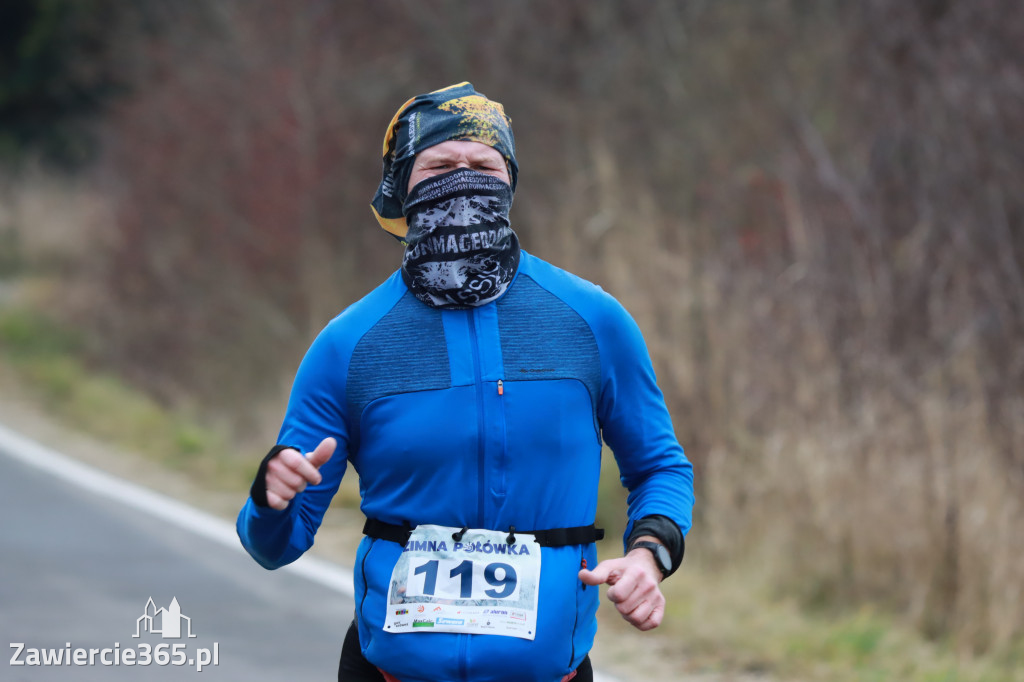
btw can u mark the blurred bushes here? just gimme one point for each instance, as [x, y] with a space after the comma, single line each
[812, 208]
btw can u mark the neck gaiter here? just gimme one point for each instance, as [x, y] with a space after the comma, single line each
[460, 250]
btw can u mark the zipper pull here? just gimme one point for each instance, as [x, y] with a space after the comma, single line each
[501, 387]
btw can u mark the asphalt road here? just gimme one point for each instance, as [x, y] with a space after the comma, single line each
[77, 569]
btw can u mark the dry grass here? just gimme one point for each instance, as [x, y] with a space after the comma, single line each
[729, 619]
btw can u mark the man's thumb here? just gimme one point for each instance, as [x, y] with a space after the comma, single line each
[323, 452]
[597, 576]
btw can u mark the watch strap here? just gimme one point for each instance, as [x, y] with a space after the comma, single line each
[659, 552]
[666, 531]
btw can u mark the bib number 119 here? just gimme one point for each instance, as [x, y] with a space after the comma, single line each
[466, 579]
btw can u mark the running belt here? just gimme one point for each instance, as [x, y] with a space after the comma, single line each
[551, 537]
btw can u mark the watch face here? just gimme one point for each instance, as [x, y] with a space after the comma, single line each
[661, 555]
[663, 558]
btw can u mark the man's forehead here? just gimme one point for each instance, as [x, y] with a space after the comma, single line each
[457, 148]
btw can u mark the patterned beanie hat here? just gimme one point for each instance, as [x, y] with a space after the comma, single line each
[457, 112]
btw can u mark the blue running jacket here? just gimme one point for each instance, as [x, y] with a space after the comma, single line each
[489, 417]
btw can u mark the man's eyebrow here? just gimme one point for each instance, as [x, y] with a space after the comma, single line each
[484, 157]
[433, 157]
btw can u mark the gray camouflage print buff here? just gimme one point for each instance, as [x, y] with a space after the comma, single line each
[460, 249]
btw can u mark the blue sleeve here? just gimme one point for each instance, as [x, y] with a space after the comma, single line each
[316, 410]
[636, 424]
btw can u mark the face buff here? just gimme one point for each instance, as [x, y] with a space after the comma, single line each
[460, 249]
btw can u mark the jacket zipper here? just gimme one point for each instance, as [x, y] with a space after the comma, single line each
[481, 440]
[576, 618]
[362, 567]
[464, 643]
[502, 444]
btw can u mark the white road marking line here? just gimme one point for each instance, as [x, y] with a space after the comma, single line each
[165, 508]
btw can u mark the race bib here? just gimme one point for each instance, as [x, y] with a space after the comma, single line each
[480, 584]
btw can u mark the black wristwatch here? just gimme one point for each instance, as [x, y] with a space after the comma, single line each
[661, 555]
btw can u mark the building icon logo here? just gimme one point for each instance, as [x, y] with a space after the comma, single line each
[165, 622]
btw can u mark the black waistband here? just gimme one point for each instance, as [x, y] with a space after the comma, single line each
[551, 537]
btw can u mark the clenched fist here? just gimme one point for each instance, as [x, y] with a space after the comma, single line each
[289, 472]
[635, 591]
